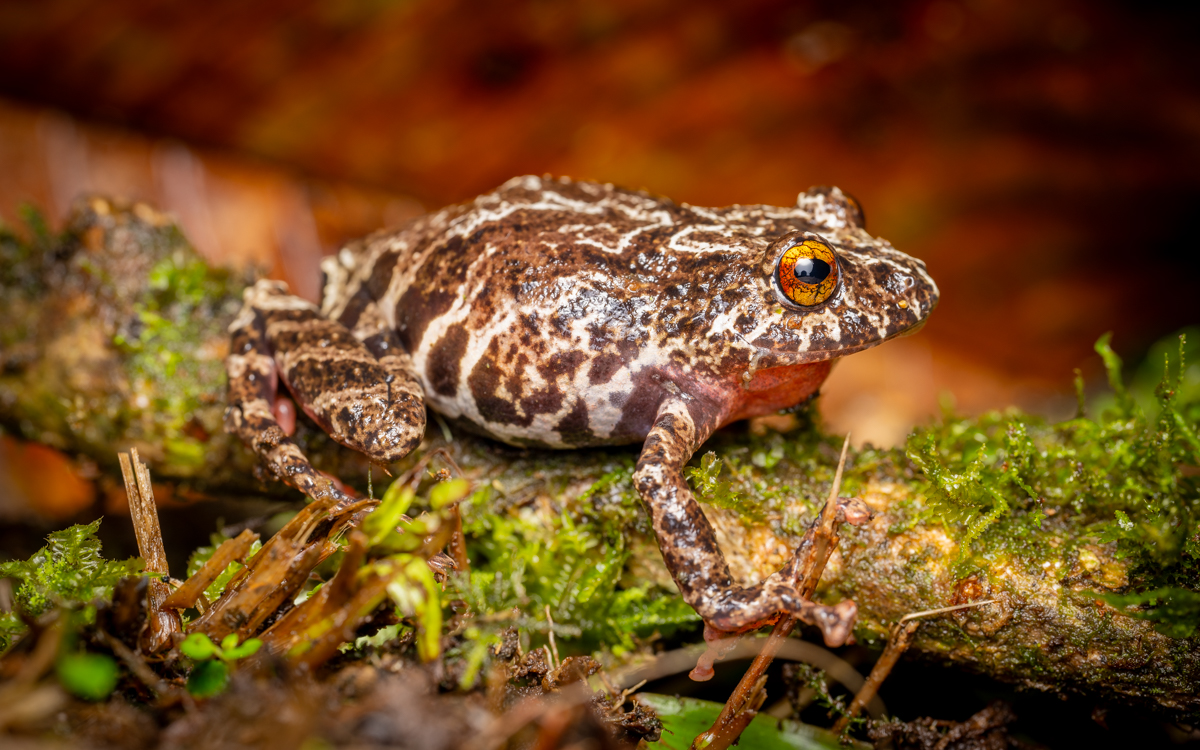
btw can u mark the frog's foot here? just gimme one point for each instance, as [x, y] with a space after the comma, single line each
[250, 417]
[689, 544]
[738, 609]
[372, 407]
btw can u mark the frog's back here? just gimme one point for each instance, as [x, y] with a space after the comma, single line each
[547, 311]
[517, 308]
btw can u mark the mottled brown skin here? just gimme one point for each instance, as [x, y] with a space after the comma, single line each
[569, 314]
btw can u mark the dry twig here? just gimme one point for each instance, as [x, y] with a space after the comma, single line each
[193, 588]
[161, 623]
[898, 641]
[808, 564]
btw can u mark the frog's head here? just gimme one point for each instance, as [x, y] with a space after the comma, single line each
[832, 289]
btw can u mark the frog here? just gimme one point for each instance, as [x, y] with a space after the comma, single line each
[564, 314]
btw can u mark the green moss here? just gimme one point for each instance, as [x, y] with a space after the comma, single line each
[19, 269]
[780, 478]
[709, 489]
[836, 705]
[21, 277]
[572, 560]
[171, 318]
[115, 335]
[68, 572]
[1009, 482]
[1174, 611]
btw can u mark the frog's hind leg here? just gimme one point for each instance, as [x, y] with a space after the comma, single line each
[361, 315]
[689, 544]
[335, 378]
[253, 386]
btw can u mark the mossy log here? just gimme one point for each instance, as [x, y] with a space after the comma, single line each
[114, 336]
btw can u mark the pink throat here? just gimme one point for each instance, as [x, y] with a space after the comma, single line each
[777, 388]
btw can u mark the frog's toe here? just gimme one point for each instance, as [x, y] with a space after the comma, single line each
[836, 623]
[392, 443]
[741, 609]
[385, 429]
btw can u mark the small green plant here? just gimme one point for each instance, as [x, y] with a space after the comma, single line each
[69, 572]
[211, 673]
[710, 489]
[92, 677]
[815, 680]
[570, 561]
[416, 595]
[391, 533]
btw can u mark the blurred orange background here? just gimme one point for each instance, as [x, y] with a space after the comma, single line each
[1042, 157]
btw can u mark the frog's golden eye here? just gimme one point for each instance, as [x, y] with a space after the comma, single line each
[808, 272]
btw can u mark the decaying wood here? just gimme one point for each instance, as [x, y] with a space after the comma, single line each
[275, 573]
[310, 633]
[193, 588]
[67, 380]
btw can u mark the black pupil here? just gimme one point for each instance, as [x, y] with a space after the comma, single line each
[811, 270]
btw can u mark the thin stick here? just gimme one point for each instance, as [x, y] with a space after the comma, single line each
[553, 645]
[731, 730]
[191, 591]
[458, 543]
[825, 538]
[136, 665]
[630, 691]
[944, 610]
[818, 543]
[898, 641]
[161, 623]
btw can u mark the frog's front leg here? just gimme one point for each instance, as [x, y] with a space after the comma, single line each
[689, 544]
[371, 406]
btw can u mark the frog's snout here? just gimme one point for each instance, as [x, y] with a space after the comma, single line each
[917, 326]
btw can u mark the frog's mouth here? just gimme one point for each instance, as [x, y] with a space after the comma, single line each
[909, 331]
[766, 357]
